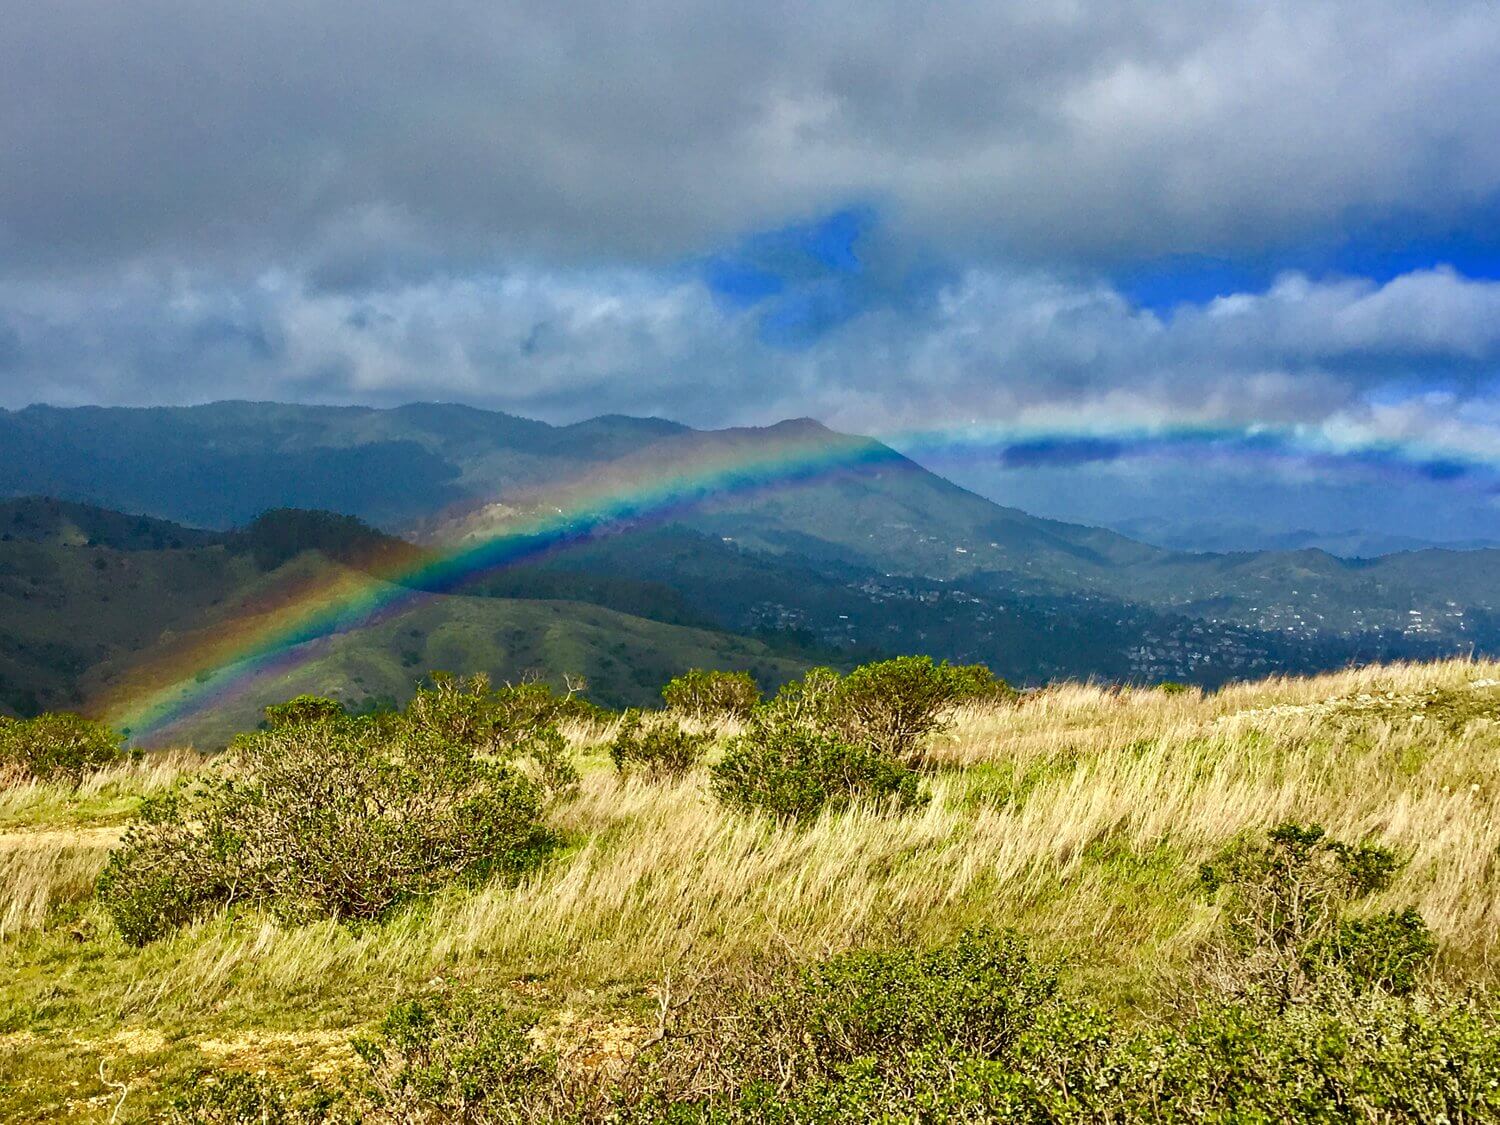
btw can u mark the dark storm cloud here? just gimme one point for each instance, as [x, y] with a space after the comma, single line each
[422, 136]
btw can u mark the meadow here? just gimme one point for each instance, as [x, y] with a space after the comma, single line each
[1080, 816]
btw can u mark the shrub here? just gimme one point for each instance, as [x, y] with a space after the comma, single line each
[468, 711]
[658, 749]
[812, 701]
[792, 770]
[1388, 951]
[712, 695]
[326, 819]
[1285, 902]
[234, 1097]
[893, 705]
[975, 683]
[979, 1030]
[1172, 687]
[304, 710]
[455, 1057]
[57, 745]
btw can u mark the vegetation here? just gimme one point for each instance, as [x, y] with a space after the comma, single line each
[795, 771]
[321, 815]
[56, 745]
[657, 749]
[708, 695]
[1273, 902]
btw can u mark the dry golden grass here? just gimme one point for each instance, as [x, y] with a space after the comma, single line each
[37, 876]
[1079, 816]
[110, 795]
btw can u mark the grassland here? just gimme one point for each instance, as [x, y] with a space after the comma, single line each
[1080, 817]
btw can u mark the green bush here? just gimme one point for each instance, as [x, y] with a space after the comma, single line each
[891, 705]
[658, 749]
[328, 819]
[469, 711]
[56, 745]
[795, 771]
[234, 1097]
[975, 683]
[455, 1057]
[712, 695]
[304, 710]
[978, 1030]
[1285, 904]
[812, 701]
[1389, 951]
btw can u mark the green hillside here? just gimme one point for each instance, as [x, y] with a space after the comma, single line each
[623, 659]
[78, 620]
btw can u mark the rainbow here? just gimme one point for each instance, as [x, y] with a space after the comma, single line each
[266, 640]
[282, 628]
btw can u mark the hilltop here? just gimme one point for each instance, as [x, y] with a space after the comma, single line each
[839, 555]
[1080, 817]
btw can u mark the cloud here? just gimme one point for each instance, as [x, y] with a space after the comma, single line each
[1411, 362]
[365, 140]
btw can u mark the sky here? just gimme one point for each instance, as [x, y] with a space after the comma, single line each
[1178, 264]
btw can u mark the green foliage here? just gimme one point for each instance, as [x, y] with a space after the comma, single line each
[1172, 687]
[892, 705]
[304, 710]
[793, 770]
[1389, 951]
[978, 1030]
[56, 745]
[330, 818]
[658, 749]
[712, 695]
[975, 683]
[234, 1097]
[811, 701]
[454, 1057]
[498, 721]
[1285, 904]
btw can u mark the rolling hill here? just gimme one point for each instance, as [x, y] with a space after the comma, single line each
[871, 553]
[90, 610]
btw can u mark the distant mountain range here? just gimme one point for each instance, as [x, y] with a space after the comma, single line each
[869, 554]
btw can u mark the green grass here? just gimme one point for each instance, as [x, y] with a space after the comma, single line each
[1080, 818]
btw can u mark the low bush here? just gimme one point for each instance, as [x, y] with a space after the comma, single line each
[304, 710]
[709, 696]
[1286, 905]
[795, 771]
[455, 1057]
[892, 705]
[56, 745]
[497, 721]
[324, 819]
[975, 683]
[658, 749]
[978, 1030]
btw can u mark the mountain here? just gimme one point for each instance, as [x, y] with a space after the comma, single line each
[1227, 536]
[92, 610]
[37, 519]
[807, 535]
[220, 465]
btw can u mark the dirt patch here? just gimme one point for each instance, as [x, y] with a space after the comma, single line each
[320, 1054]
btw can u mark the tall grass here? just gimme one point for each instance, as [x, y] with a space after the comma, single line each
[1080, 816]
